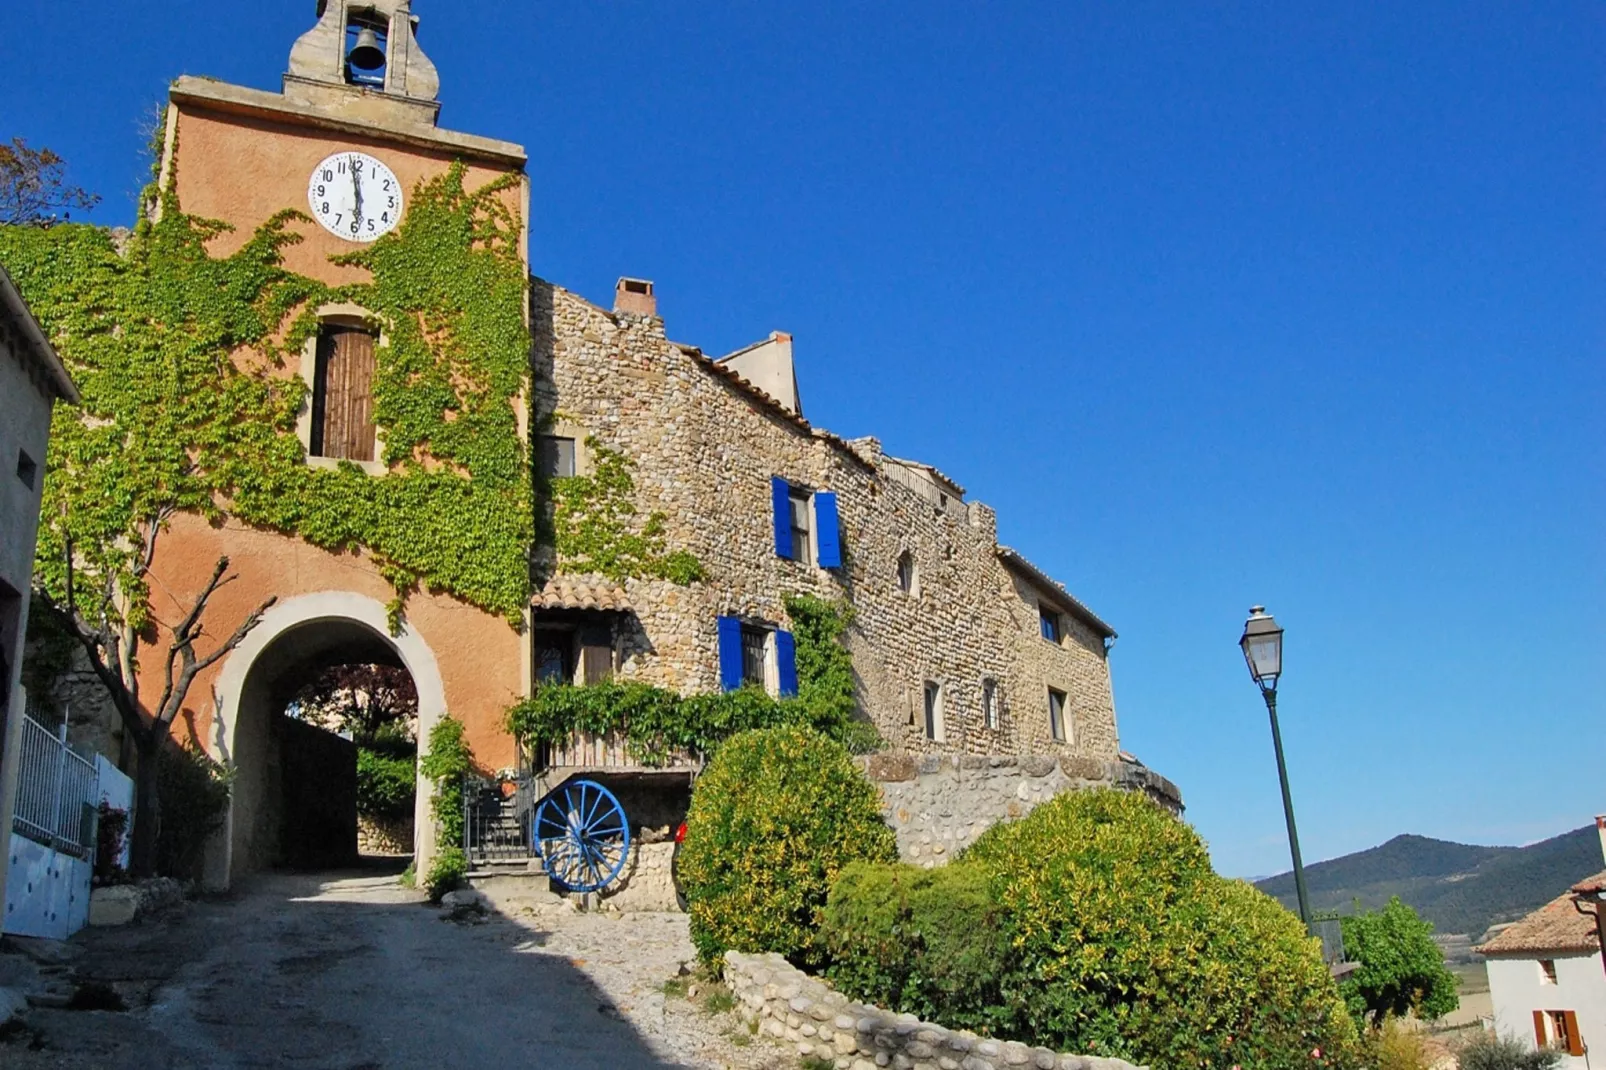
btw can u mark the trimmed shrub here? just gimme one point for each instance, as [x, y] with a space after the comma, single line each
[385, 783]
[1094, 924]
[773, 819]
[193, 793]
[1486, 1051]
[927, 941]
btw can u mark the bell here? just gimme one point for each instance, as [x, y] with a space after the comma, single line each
[366, 55]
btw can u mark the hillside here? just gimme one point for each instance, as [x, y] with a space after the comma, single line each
[1461, 888]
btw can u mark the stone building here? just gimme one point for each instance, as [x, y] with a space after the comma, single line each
[960, 645]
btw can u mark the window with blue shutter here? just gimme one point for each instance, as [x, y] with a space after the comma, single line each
[781, 499]
[827, 529]
[730, 653]
[786, 663]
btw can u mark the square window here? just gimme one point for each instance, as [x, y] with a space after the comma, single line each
[27, 470]
[802, 544]
[1547, 971]
[1056, 714]
[989, 703]
[933, 711]
[1048, 622]
[555, 457]
[755, 655]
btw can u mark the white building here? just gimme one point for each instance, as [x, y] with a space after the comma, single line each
[1547, 979]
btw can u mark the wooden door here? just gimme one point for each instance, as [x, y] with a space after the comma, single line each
[343, 395]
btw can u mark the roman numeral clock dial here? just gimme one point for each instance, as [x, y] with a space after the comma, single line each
[354, 196]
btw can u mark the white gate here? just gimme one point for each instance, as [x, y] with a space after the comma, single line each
[52, 835]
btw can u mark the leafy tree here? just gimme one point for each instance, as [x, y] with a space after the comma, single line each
[375, 703]
[1401, 968]
[33, 186]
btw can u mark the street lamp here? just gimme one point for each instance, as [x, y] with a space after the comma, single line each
[1262, 644]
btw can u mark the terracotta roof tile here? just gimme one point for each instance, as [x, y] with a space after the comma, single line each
[1556, 926]
[581, 592]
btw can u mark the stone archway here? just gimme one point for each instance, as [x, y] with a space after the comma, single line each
[254, 686]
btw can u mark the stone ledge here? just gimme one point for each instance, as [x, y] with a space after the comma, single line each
[787, 1004]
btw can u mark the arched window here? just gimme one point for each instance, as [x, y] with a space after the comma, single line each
[906, 572]
[343, 394]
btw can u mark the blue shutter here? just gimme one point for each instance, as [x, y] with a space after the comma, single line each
[781, 496]
[786, 663]
[730, 653]
[827, 529]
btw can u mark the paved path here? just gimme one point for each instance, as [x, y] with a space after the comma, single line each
[358, 974]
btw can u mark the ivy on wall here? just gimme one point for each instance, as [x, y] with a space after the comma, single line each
[186, 365]
[595, 527]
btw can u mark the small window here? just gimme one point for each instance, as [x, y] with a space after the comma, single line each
[553, 650]
[802, 544]
[1048, 622]
[989, 703]
[933, 710]
[27, 470]
[906, 572]
[1056, 714]
[1547, 971]
[1563, 1032]
[343, 395]
[555, 457]
[755, 656]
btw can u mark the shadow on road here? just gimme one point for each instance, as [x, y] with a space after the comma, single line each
[341, 970]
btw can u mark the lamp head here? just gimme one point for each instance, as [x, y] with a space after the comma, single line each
[1262, 644]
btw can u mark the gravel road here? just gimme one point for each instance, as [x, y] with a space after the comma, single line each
[357, 973]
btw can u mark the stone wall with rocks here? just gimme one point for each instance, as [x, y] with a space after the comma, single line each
[939, 804]
[72, 689]
[647, 882]
[785, 1003]
[706, 445]
[385, 835]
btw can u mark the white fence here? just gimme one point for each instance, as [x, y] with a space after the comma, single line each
[58, 792]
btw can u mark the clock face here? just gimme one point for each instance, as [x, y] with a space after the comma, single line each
[355, 196]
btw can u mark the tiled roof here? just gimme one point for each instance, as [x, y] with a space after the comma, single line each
[1556, 926]
[1056, 590]
[933, 469]
[581, 592]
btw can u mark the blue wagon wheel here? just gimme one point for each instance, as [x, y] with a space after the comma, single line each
[583, 835]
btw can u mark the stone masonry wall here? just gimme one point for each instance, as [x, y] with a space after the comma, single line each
[785, 1003]
[939, 805]
[705, 448]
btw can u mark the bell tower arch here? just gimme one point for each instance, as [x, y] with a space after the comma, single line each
[364, 52]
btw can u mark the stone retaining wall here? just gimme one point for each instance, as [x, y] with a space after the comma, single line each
[385, 835]
[788, 1004]
[938, 804]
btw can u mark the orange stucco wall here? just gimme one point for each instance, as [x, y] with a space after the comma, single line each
[242, 171]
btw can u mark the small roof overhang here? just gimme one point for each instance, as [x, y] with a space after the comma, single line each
[1055, 592]
[582, 592]
[38, 348]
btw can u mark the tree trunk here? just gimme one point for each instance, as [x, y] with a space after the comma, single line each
[147, 806]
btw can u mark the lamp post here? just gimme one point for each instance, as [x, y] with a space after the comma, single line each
[1262, 644]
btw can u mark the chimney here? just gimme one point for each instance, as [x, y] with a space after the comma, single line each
[1600, 827]
[635, 297]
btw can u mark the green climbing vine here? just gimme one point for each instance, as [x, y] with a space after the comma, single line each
[184, 362]
[595, 527]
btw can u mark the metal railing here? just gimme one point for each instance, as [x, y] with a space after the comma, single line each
[496, 826]
[57, 791]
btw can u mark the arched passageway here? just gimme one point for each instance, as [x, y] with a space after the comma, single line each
[294, 793]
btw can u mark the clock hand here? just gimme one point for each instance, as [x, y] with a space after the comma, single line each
[356, 192]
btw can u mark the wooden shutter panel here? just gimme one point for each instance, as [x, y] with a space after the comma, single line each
[1575, 1039]
[827, 530]
[730, 653]
[343, 395]
[781, 501]
[786, 663]
[1539, 1029]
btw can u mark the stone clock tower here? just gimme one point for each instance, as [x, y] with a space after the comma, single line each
[348, 140]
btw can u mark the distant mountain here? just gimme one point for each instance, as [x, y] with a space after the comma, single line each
[1459, 887]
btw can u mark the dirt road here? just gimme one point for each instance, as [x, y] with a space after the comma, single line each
[356, 973]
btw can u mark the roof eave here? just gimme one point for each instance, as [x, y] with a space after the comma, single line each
[44, 354]
[1056, 591]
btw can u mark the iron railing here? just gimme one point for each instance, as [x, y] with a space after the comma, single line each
[496, 825]
[57, 791]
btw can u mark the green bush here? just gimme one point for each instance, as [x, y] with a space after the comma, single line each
[1094, 924]
[386, 784]
[1487, 1051]
[192, 791]
[927, 941]
[1401, 970]
[447, 763]
[446, 872]
[773, 819]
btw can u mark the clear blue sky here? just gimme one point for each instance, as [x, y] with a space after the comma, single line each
[1267, 303]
